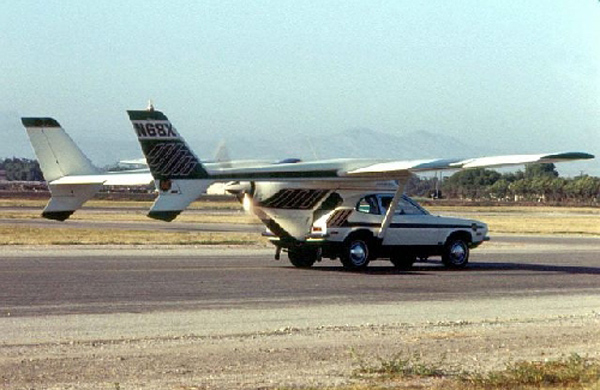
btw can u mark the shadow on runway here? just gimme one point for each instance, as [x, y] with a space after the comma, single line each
[567, 269]
[429, 267]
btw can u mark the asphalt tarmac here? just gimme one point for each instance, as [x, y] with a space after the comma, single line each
[75, 280]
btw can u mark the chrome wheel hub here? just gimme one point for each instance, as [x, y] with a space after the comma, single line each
[457, 253]
[358, 253]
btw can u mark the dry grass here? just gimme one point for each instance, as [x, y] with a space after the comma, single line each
[238, 218]
[509, 209]
[133, 204]
[517, 220]
[24, 235]
[587, 225]
[409, 371]
[138, 216]
[404, 372]
[531, 220]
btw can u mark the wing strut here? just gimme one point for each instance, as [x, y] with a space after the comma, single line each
[389, 214]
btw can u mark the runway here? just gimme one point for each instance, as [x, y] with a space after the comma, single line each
[183, 317]
[75, 280]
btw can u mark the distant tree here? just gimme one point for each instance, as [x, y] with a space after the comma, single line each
[540, 170]
[419, 186]
[583, 188]
[18, 169]
[500, 189]
[470, 183]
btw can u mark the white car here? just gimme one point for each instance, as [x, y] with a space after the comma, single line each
[350, 231]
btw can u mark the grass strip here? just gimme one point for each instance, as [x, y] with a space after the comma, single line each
[573, 372]
[409, 371]
[143, 204]
[138, 216]
[588, 225]
[24, 235]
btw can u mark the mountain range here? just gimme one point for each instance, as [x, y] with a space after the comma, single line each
[354, 143]
[351, 143]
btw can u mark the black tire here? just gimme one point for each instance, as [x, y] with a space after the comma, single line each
[456, 253]
[303, 257]
[403, 261]
[355, 254]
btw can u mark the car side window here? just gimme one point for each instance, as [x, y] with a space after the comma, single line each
[368, 205]
[385, 203]
[405, 207]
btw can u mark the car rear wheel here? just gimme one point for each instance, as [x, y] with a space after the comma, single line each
[456, 254]
[355, 254]
[303, 257]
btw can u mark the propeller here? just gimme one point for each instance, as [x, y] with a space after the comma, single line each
[244, 191]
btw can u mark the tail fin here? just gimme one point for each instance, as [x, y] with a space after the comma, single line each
[222, 155]
[179, 175]
[56, 152]
[59, 156]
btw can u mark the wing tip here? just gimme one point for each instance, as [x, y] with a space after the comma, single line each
[571, 156]
[39, 122]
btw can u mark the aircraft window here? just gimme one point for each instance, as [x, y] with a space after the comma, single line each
[368, 205]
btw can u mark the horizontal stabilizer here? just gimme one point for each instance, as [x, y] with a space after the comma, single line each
[67, 198]
[172, 200]
[109, 179]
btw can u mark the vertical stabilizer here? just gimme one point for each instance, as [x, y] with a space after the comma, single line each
[59, 156]
[56, 152]
[179, 174]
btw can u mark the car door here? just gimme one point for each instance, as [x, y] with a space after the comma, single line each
[411, 224]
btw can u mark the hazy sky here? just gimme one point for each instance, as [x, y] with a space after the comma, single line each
[522, 75]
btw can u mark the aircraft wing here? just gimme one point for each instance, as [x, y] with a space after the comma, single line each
[396, 169]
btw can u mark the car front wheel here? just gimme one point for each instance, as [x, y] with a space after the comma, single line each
[456, 254]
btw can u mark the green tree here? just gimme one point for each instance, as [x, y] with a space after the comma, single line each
[540, 170]
[470, 183]
[500, 189]
[18, 169]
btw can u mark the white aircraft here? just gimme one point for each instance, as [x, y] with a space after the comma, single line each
[352, 209]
